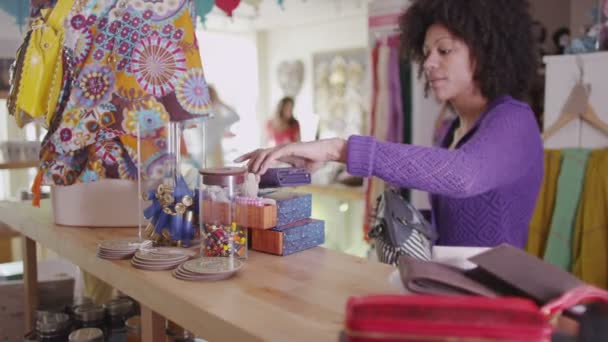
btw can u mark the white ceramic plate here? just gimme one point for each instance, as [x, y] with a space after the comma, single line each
[212, 265]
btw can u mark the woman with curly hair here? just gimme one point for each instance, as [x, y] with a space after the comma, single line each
[484, 178]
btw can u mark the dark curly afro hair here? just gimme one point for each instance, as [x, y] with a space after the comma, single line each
[498, 33]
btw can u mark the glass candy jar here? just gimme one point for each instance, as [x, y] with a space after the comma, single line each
[167, 178]
[222, 237]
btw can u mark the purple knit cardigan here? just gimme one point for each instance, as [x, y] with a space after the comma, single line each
[483, 192]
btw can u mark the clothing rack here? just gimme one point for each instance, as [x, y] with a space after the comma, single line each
[569, 228]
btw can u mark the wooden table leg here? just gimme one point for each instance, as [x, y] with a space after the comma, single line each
[30, 281]
[152, 326]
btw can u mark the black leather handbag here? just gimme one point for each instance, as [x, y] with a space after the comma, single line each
[400, 229]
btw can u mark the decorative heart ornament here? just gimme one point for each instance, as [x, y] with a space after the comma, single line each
[291, 76]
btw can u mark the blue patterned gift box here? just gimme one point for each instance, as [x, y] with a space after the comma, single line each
[291, 206]
[302, 235]
[289, 239]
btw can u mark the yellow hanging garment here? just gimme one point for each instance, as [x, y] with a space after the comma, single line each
[37, 75]
[541, 219]
[590, 244]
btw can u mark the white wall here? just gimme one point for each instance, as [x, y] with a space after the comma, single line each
[301, 43]
[562, 74]
[10, 35]
[230, 64]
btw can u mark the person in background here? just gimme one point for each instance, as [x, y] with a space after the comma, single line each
[217, 128]
[283, 128]
[484, 178]
[561, 40]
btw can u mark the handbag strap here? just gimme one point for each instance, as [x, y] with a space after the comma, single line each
[58, 14]
[578, 295]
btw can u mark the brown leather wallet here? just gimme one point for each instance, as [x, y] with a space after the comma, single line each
[501, 271]
[512, 271]
[430, 277]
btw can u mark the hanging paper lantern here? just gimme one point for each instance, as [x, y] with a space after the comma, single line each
[254, 3]
[227, 5]
[203, 7]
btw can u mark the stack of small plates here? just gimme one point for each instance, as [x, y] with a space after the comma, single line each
[162, 258]
[117, 249]
[208, 269]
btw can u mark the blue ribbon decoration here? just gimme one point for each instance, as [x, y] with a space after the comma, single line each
[181, 190]
[150, 213]
[175, 226]
[161, 223]
[179, 223]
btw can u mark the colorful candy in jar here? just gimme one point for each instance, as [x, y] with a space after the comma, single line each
[225, 241]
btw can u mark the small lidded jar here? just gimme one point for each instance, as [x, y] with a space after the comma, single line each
[78, 301]
[118, 311]
[90, 316]
[176, 333]
[52, 327]
[222, 237]
[133, 325]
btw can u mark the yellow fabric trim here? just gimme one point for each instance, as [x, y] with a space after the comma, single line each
[541, 219]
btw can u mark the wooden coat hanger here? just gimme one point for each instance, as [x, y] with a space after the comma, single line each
[577, 106]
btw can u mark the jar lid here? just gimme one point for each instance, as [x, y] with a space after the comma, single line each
[119, 306]
[43, 314]
[86, 335]
[50, 322]
[133, 324]
[223, 176]
[89, 312]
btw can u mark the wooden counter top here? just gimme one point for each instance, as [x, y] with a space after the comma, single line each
[300, 297]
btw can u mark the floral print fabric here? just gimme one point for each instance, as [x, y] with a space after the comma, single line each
[133, 64]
